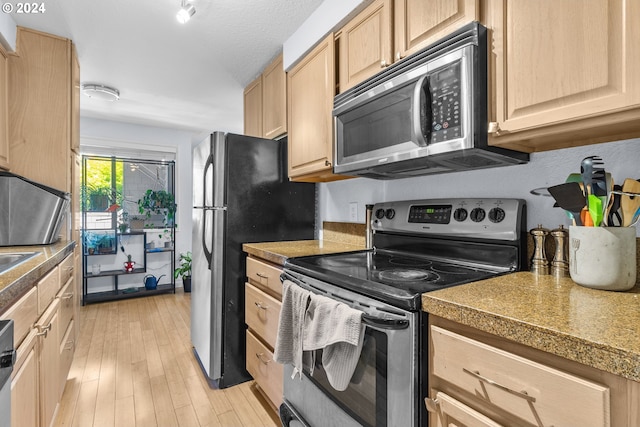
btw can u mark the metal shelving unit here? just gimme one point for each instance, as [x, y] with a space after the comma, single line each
[136, 242]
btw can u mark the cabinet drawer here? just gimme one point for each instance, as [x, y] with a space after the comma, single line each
[529, 390]
[67, 349]
[264, 275]
[67, 301]
[267, 373]
[66, 269]
[47, 289]
[24, 314]
[449, 413]
[262, 313]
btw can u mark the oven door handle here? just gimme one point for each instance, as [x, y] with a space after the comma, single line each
[377, 322]
[393, 324]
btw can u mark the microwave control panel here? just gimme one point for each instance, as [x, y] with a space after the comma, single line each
[445, 103]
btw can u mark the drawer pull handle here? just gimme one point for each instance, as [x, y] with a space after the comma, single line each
[69, 345]
[523, 394]
[262, 276]
[431, 404]
[43, 330]
[262, 359]
[67, 296]
[260, 306]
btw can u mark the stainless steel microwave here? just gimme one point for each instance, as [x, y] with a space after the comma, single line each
[426, 114]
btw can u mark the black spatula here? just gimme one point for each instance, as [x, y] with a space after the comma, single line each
[570, 198]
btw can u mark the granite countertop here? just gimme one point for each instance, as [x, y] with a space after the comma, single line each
[278, 252]
[15, 282]
[594, 327]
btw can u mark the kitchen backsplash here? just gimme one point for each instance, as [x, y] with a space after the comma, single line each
[344, 232]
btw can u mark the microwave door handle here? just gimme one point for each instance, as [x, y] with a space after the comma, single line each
[423, 112]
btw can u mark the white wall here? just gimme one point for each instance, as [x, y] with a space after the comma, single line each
[622, 160]
[8, 32]
[117, 135]
[329, 15]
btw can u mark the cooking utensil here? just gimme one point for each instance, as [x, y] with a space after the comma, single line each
[595, 210]
[614, 219]
[636, 217]
[629, 204]
[591, 171]
[570, 198]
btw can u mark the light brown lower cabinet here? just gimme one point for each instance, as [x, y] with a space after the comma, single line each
[263, 296]
[49, 363]
[265, 371]
[24, 384]
[45, 347]
[478, 379]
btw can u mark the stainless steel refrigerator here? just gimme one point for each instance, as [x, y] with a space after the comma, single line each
[241, 194]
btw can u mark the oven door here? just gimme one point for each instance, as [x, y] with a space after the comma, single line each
[384, 389]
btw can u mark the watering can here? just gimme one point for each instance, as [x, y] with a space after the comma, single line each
[151, 282]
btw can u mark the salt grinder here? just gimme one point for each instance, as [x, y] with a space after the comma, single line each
[539, 262]
[560, 263]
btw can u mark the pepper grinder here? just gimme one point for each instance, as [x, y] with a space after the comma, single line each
[539, 262]
[560, 263]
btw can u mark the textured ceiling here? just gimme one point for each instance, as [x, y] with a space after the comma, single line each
[187, 76]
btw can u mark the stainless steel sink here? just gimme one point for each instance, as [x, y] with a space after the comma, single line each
[13, 259]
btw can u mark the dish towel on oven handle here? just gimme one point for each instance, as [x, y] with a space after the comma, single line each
[288, 348]
[338, 330]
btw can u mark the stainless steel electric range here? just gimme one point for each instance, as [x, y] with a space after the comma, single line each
[418, 246]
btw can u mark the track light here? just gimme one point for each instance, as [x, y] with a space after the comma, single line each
[186, 12]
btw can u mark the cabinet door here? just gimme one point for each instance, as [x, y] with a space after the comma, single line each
[49, 364]
[311, 88]
[274, 99]
[24, 385]
[4, 112]
[445, 411]
[40, 108]
[365, 44]
[253, 108]
[555, 63]
[418, 23]
[75, 102]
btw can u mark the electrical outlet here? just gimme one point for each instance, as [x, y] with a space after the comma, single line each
[353, 211]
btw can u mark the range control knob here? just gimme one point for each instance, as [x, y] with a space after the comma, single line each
[460, 214]
[390, 213]
[496, 215]
[380, 213]
[477, 214]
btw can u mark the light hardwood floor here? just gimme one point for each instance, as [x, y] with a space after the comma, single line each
[134, 367]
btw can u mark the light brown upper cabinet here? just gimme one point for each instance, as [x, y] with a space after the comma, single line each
[311, 88]
[386, 31]
[43, 117]
[4, 106]
[563, 73]
[274, 100]
[365, 44]
[418, 23]
[253, 108]
[265, 103]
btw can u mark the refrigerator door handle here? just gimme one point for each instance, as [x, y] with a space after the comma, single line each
[205, 246]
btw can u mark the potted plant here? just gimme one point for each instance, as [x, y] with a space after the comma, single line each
[105, 244]
[158, 202]
[91, 241]
[184, 270]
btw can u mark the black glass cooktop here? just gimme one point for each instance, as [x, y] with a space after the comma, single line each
[391, 276]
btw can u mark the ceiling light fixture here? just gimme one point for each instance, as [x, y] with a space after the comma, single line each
[103, 92]
[186, 12]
